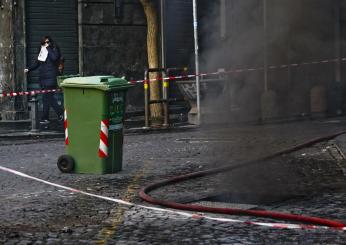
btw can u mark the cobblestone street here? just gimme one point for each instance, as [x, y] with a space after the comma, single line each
[310, 181]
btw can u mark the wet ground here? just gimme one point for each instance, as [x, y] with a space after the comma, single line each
[310, 181]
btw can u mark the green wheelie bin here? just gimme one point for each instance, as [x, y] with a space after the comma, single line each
[94, 115]
[61, 78]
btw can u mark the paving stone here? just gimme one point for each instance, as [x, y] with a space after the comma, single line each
[46, 214]
[25, 242]
[53, 241]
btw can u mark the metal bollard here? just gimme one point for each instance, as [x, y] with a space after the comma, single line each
[33, 103]
[148, 102]
[165, 100]
[146, 99]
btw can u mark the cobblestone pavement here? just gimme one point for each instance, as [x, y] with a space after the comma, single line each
[309, 182]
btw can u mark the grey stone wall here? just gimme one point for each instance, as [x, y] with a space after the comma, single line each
[115, 46]
[108, 45]
[112, 45]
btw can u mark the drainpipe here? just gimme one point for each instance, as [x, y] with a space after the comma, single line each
[265, 40]
[195, 28]
[337, 41]
[223, 25]
[163, 37]
[338, 55]
[25, 87]
[80, 37]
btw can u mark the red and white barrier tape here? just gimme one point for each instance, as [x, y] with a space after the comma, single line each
[232, 71]
[34, 92]
[240, 70]
[103, 148]
[174, 212]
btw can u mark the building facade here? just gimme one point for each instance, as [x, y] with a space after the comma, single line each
[95, 38]
[290, 52]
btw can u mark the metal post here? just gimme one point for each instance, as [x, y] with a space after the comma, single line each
[146, 98]
[165, 83]
[163, 35]
[25, 87]
[80, 38]
[338, 54]
[33, 102]
[165, 86]
[265, 41]
[337, 41]
[195, 28]
[223, 22]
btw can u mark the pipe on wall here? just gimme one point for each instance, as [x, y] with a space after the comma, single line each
[80, 38]
[163, 35]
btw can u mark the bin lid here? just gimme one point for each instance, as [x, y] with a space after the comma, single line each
[104, 83]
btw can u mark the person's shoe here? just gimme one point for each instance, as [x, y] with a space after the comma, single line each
[44, 121]
[61, 118]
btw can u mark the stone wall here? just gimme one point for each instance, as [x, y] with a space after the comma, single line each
[108, 45]
[12, 59]
[112, 45]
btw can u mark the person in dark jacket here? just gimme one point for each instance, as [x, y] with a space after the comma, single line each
[47, 63]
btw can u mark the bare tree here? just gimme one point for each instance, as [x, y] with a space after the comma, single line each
[153, 56]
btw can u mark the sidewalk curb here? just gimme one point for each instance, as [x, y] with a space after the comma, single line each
[31, 135]
[143, 130]
[27, 135]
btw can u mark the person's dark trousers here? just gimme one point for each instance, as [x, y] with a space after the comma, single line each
[50, 101]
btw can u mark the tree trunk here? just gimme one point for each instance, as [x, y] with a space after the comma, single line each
[153, 57]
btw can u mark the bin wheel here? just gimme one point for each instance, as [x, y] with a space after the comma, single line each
[65, 164]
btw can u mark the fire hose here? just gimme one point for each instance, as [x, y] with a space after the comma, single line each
[144, 192]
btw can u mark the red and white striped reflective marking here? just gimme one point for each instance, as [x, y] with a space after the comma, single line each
[103, 148]
[65, 127]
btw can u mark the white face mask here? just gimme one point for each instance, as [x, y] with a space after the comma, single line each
[43, 54]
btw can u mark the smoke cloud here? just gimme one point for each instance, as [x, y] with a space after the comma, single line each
[232, 35]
